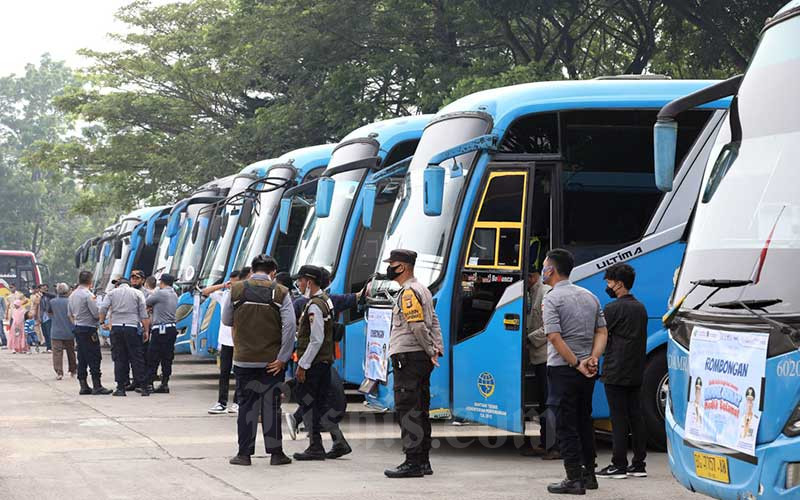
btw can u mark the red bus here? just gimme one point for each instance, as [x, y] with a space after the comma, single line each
[18, 268]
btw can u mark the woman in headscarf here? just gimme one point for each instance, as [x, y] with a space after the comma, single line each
[17, 342]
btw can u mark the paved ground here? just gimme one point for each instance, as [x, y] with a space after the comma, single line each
[55, 444]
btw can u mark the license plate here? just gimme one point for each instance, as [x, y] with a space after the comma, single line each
[711, 467]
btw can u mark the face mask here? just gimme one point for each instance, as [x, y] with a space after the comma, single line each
[611, 293]
[392, 272]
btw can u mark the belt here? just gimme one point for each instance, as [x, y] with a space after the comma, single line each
[162, 328]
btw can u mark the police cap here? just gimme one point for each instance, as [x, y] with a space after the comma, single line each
[167, 279]
[312, 272]
[402, 255]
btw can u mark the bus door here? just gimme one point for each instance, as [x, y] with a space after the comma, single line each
[487, 354]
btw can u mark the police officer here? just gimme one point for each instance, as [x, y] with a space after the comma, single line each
[130, 326]
[576, 333]
[415, 344]
[315, 352]
[261, 314]
[83, 312]
[161, 348]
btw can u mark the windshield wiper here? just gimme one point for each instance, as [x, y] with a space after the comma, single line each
[712, 283]
[752, 305]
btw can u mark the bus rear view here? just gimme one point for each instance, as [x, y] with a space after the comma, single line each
[733, 419]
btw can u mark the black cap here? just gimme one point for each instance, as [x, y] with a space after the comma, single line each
[402, 255]
[313, 272]
[167, 279]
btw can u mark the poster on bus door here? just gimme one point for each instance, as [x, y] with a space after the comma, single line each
[379, 326]
[725, 369]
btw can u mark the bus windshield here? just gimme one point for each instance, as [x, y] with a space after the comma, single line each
[409, 227]
[255, 236]
[750, 198]
[321, 237]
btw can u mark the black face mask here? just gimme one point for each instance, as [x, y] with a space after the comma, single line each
[392, 272]
[611, 293]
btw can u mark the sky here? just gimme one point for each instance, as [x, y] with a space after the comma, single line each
[29, 28]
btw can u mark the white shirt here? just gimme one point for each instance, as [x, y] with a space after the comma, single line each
[225, 337]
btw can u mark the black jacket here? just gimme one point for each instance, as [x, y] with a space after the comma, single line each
[624, 359]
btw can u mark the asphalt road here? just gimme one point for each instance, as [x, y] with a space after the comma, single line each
[56, 444]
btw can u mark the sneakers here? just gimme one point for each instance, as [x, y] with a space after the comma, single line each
[613, 472]
[637, 471]
[233, 408]
[291, 426]
[218, 409]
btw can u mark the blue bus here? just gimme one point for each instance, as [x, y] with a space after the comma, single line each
[739, 278]
[339, 241]
[500, 177]
[246, 226]
[186, 229]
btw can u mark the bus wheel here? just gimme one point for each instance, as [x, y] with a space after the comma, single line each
[655, 390]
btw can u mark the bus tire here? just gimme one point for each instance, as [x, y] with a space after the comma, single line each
[653, 397]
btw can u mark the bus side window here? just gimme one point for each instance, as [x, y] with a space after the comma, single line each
[496, 240]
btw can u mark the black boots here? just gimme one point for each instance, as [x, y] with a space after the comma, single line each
[572, 485]
[85, 389]
[99, 390]
[315, 451]
[163, 387]
[340, 446]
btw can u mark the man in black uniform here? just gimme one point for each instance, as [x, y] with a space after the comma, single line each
[315, 352]
[415, 345]
[623, 369]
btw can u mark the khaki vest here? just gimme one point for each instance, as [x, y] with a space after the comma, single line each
[257, 333]
[326, 350]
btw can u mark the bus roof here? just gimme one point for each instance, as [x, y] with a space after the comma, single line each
[506, 104]
[398, 129]
[308, 158]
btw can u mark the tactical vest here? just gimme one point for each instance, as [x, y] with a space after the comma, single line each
[257, 333]
[326, 350]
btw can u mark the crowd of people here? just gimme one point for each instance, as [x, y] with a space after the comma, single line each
[272, 320]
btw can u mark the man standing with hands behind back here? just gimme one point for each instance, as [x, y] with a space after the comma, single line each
[576, 332]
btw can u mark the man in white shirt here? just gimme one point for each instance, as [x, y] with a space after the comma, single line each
[218, 293]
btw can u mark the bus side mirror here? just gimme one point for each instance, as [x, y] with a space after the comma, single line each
[665, 143]
[433, 190]
[325, 187]
[246, 212]
[195, 232]
[118, 249]
[284, 214]
[368, 207]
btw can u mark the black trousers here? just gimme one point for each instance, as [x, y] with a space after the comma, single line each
[334, 408]
[570, 396]
[127, 350]
[412, 402]
[260, 396]
[312, 395]
[626, 415]
[547, 418]
[161, 350]
[225, 365]
[88, 346]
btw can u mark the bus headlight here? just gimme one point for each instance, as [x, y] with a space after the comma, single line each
[792, 474]
[792, 427]
[209, 314]
[183, 311]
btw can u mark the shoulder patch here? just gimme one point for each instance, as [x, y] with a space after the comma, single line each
[411, 307]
